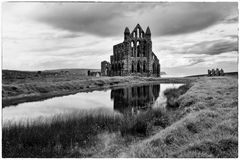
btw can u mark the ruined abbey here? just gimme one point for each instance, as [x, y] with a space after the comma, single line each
[134, 56]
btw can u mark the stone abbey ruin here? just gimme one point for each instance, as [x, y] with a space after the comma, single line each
[134, 56]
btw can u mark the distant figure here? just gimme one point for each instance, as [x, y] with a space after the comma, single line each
[213, 72]
[209, 73]
[221, 72]
[217, 73]
[89, 73]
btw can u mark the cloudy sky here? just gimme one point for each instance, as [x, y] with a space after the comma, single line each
[188, 38]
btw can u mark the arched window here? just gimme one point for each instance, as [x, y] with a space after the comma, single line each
[138, 67]
[132, 48]
[141, 35]
[138, 49]
[144, 49]
[144, 66]
[158, 69]
[134, 34]
[153, 68]
[119, 67]
[132, 66]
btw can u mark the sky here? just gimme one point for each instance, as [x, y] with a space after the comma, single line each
[188, 38]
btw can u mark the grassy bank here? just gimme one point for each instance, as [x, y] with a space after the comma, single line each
[207, 125]
[26, 90]
[76, 135]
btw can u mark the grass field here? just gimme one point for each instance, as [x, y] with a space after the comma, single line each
[201, 120]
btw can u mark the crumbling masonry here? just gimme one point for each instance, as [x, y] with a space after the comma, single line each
[133, 56]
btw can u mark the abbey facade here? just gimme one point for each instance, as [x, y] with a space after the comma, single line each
[134, 56]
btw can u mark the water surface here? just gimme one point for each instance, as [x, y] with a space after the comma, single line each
[131, 99]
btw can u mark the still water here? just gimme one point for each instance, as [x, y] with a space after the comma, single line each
[127, 99]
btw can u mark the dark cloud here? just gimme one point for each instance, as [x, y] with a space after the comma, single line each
[211, 47]
[94, 18]
[109, 19]
[232, 20]
[217, 47]
[233, 36]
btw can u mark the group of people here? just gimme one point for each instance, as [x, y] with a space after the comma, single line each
[216, 72]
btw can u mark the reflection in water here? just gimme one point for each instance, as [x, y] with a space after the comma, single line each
[124, 100]
[134, 99]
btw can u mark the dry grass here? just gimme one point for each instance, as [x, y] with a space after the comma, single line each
[76, 135]
[207, 126]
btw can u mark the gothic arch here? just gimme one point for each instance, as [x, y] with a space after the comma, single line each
[132, 48]
[138, 48]
[139, 66]
[133, 66]
[119, 66]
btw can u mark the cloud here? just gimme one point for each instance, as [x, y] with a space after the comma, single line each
[233, 36]
[52, 35]
[48, 49]
[195, 61]
[231, 20]
[110, 19]
[211, 47]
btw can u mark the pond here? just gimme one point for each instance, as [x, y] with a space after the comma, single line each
[131, 99]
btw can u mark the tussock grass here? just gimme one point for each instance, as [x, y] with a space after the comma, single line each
[172, 95]
[75, 134]
[56, 139]
[142, 123]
